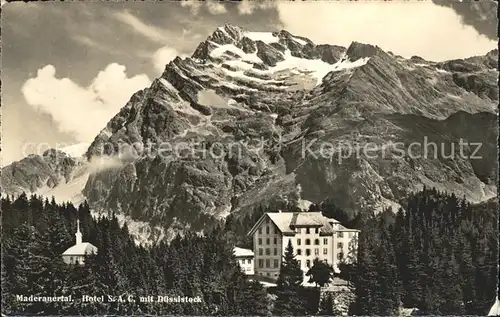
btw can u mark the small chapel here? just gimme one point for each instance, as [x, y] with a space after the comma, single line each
[76, 254]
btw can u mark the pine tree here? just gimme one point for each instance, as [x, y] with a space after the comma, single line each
[57, 232]
[255, 299]
[468, 278]
[321, 273]
[388, 289]
[15, 257]
[8, 301]
[290, 276]
[83, 280]
[109, 271]
[289, 286]
[33, 269]
[452, 289]
[441, 249]
[366, 277]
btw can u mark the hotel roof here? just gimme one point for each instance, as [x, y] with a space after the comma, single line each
[288, 221]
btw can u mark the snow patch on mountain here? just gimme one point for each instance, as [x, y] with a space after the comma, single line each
[236, 87]
[266, 37]
[375, 104]
[222, 49]
[242, 76]
[240, 65]
[345, 63]
[316, 67]
[439, 70]
[231, 103]
[209, 97]
[169, 86]
[301, 42]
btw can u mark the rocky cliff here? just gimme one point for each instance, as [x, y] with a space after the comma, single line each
[35, 173]
[256, 118]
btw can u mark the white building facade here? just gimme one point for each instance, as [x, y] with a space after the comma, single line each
[76, 254]
[245, 260]
[312, 236]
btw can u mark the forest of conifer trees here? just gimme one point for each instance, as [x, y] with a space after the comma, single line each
[438, 255]
[36, 232]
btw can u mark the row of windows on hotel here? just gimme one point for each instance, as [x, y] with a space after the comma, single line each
[269, 229]
[308, 231]
[299, 242]
[299, 251]
[276, 262]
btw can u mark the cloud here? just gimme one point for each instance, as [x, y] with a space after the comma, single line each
[193, 5]
[163, 56]
[83, 111]
[482, 15]
[215, 7]
[84, 40]
[153, 33]
[406, 28]
[87, 41]
[247, 7]
[103, 163]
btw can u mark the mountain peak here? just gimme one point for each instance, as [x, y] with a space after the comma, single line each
[358, 50]
[285, 90]
[267, 48]
[226, 34]
[232, 28]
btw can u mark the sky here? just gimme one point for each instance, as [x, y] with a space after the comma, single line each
[68, 67]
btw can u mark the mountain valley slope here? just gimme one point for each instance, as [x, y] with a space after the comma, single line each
[253, 114]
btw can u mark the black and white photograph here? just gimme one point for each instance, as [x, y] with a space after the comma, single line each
[249, 158]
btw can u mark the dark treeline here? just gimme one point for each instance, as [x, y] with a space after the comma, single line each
[439, 256]
[36, 232]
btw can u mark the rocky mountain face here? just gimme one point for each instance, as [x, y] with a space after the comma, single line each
[36, 172]
[256, 118]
